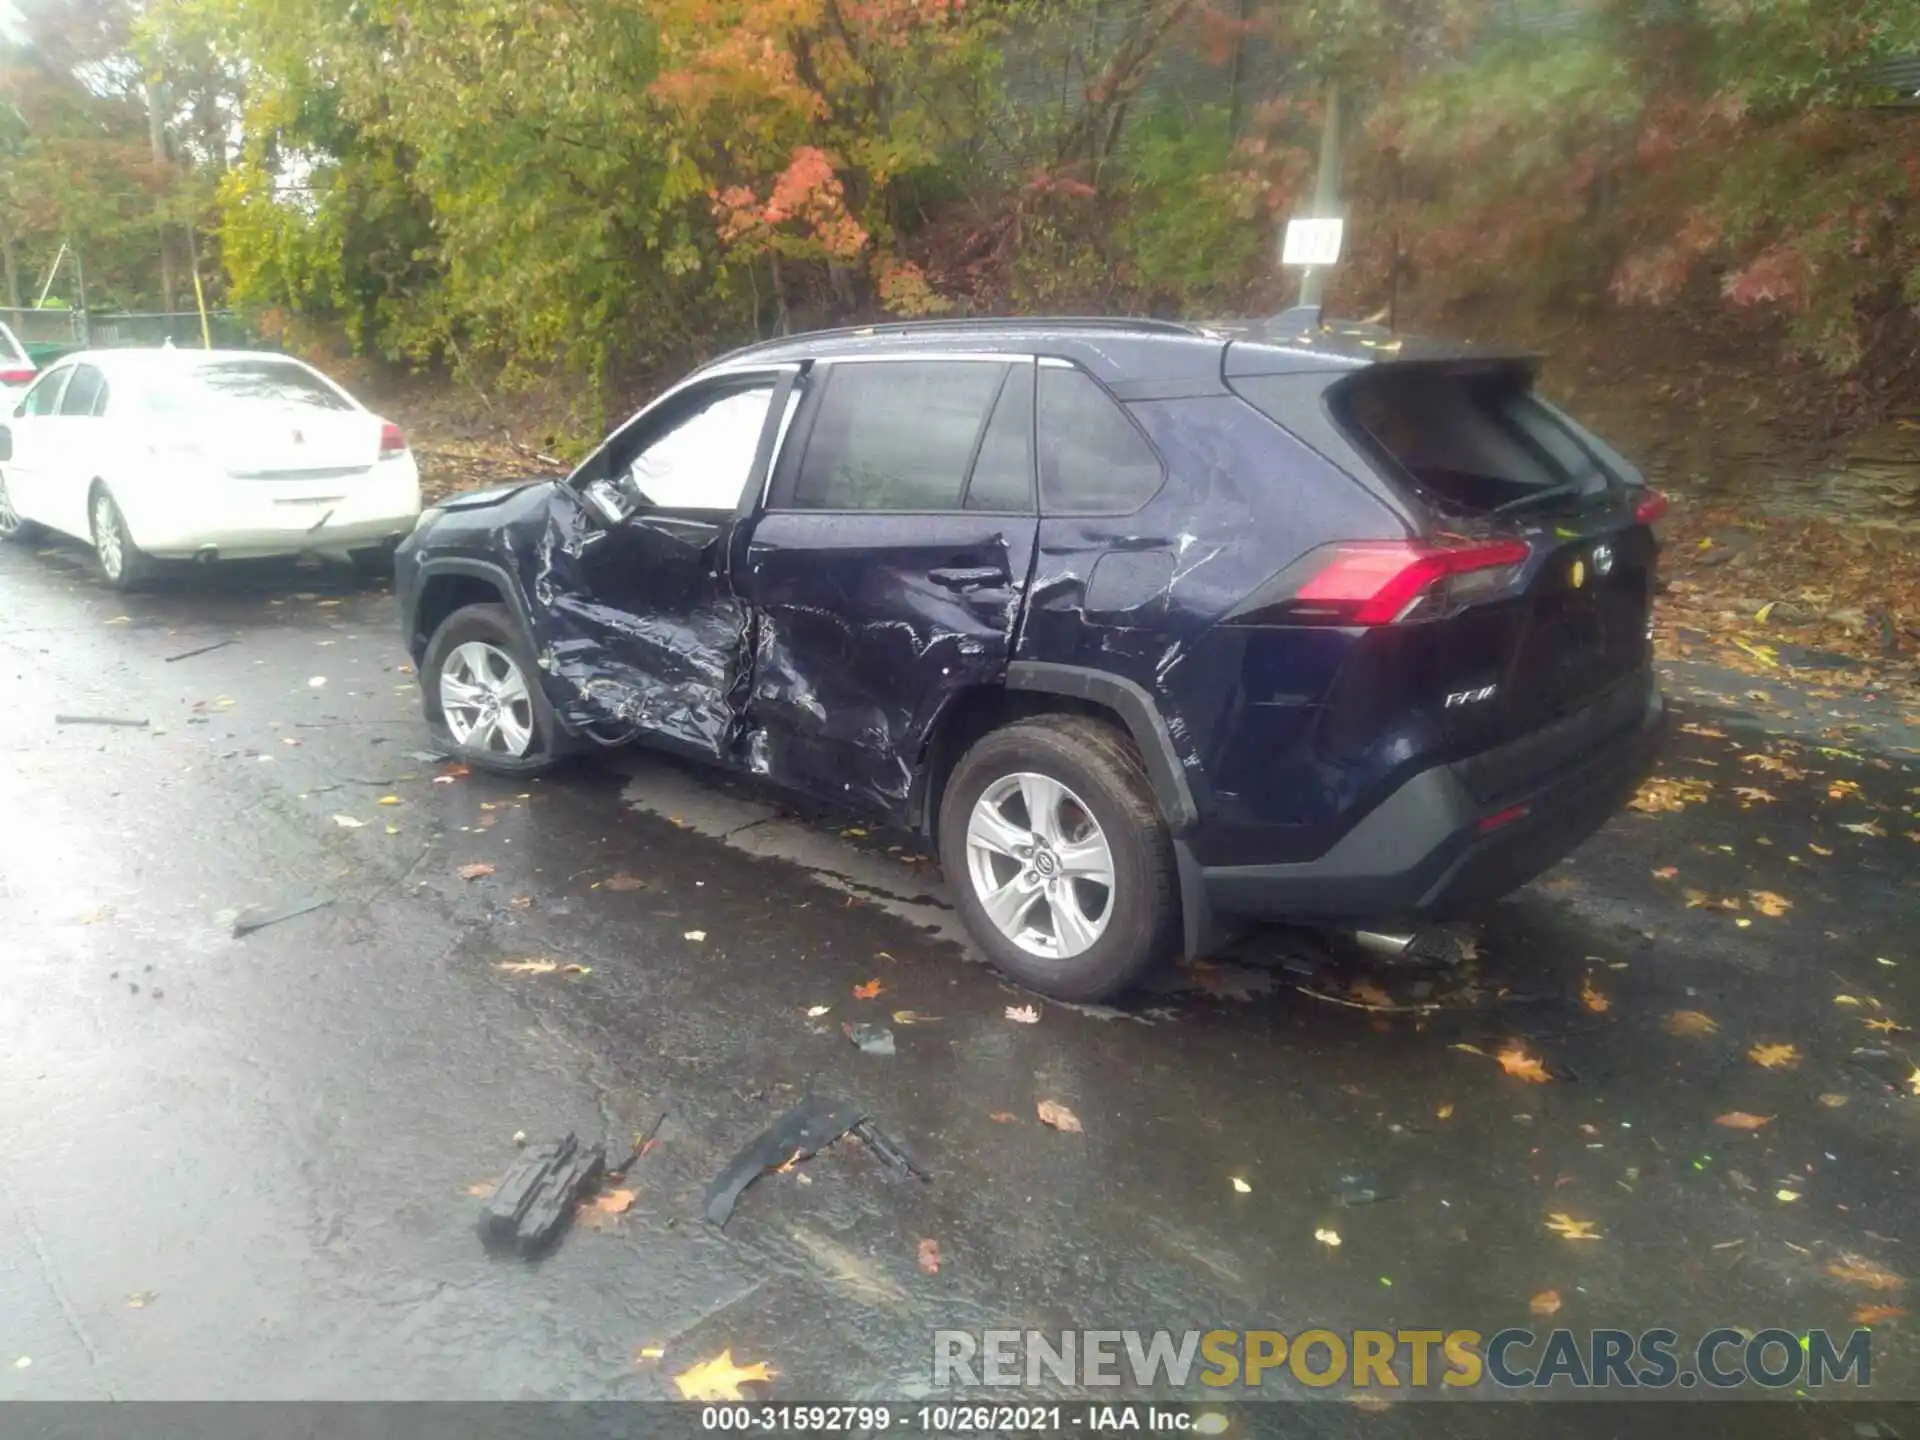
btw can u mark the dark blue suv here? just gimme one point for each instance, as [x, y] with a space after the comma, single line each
[1152, 627]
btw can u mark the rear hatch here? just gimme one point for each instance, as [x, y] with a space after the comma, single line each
[1536, 538]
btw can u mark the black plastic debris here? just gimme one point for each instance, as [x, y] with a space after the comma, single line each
[533, 1204]
[114, 720]
[800, 1134]
[203, 650]
[812, 1125]
[258, 917]
[872, 1039]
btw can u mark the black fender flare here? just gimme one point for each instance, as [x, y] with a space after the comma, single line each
[1165, 773]
[494, 573]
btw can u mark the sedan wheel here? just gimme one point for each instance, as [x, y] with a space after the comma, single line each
[485, 701]
[121, 561]
[1040, 865]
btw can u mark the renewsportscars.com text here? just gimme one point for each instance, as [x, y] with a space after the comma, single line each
[1512, 1359]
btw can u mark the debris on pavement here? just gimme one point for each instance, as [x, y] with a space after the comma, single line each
[536, 1198]
[477, 870]
[930, 1257]
[812, 1125]
[1052, 1112]
[116, 721]
[258, 917]
[203, 650]
[888, 1149]
[872, 1039]
[1023, 1014]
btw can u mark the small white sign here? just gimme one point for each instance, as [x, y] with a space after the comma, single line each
[1313, 242]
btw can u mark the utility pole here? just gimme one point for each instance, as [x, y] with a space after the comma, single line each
[1326, 191]
[157, 138]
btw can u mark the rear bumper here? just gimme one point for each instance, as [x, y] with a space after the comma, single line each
[1424, 854]
[246, 518]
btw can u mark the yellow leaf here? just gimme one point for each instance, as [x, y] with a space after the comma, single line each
[696, 936]
[1328, 1238]
[528, 967]
[1691, 1022]
[1773, 1057]
[1740, 1120]
[1833, 1101]
[1858, 1270]
[1869, 827]
[1522, 1066]
[1547, 1302]
[1764, 611]
[1242, 1186]
[1886, 1026]
[1445, 1112]
[613, 1202]
[912, 1017]
[1593, 999]
[649, 1352]
[1818, 849]
[1568, 1228]
[389, 800]
[1845, 1000]
[1769, 904]
[1786, 1197]
[1753, 795]
[720, 1379]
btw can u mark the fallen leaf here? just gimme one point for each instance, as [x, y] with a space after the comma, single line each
[1774, 766]
[1445, 1112]
[912, 1017]
[1913, 1080]
[814, 1012]
[696, 936]
[1845, 1000]
[1707, 730]
[316, 682]
[443, 779]
[720, 1379]
[1052, 1112]
[521, 902]
[393, 829]
[347, 822]
[1752, 795]
[1868, 827]
[1786, 1197]
[930, 1257]
[23, 1362]
[1818, 849]
[481, 1189]
[1886, 1026]
[1833, 1101]
[474, 871]
[1691, 1022]
[1875, 1314]
[868, 990]
[649, 1352]
[1769, 904]
[624, 881]
[1242, 1186]
[389, 800]
[1858, 1270]
[1701, 900]
[1023, 1014]
[455, 771]
[1368, 993]
[528, 967]
[1666, 872]
[1547, 1302]
[613, 1202]
[1593, 999]
[1660, 795]
[1568, 1228]
[1773, 1057]
[1741, 1120]
[140, 1299]
[1522, 1066]
[1004, 1117]
[1328, 1238]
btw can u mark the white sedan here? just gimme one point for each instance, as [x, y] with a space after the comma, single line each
[205, 455]
[17, 370]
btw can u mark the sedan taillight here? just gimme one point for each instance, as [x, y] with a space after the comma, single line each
[18, 377]
[392, 441]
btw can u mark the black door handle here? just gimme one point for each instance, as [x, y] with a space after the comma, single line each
[958, 578]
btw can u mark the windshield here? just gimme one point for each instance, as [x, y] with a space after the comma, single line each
[279, 383]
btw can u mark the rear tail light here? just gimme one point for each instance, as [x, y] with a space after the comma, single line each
[1384, 582]
[1651, 509]
[17, 377]
[392, 441]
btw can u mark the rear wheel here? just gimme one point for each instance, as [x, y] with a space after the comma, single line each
[12, 526]
[1059, 858]
[482, 689]
[123, 564]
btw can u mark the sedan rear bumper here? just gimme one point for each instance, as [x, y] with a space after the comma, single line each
[1430, 851]
[240, 519]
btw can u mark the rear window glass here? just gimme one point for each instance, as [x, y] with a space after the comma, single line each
[1092, 459]
[10, 351]
[1470, 441]
[1003, 473]
[896, 435]
[272, 382]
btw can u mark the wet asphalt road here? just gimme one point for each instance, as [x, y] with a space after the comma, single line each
[241, 1167]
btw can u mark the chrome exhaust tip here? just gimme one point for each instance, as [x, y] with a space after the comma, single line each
[1379, 942]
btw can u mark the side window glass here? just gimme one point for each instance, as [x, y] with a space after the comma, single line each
[896, 434]
[100, 405]
[703, 462]
[44, 397]
[1092, 459]
[1003, 473]
[82, 391]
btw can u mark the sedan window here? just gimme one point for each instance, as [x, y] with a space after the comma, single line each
[897, 434]
[83, 391]
[44, 397]
[277, 382]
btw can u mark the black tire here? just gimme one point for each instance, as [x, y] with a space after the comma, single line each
[1100, 766]
[135, 566]
[13, 527]
[374, 564]
[495, 625]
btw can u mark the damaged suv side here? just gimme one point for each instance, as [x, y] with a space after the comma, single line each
[1153, 628]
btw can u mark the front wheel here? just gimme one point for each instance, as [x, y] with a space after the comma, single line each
[483, 691]
[123, 564]
[1059, 859]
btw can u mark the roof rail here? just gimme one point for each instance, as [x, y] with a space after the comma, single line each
[966, 323]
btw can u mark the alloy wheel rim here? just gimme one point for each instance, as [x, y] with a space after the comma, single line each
[106, 538]
[9, 520]
[1040, 865]
[485, 700]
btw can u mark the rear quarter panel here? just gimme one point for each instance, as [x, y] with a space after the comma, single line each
[1140, 595]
